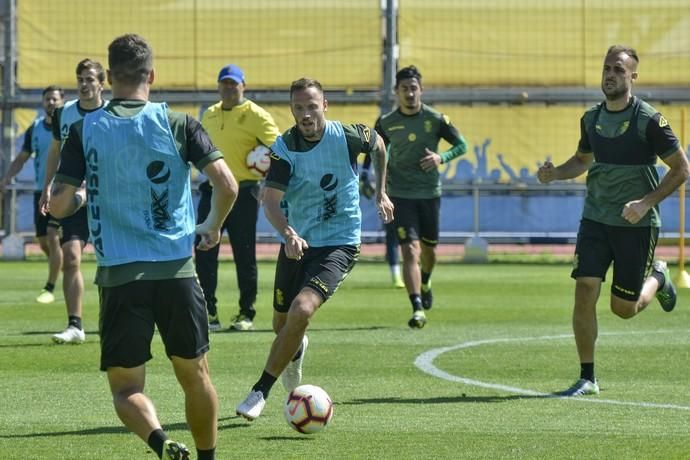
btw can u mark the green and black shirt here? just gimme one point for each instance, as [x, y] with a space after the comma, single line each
[407, 137]
[625, 145]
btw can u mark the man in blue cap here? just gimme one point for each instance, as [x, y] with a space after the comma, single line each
[236, 126]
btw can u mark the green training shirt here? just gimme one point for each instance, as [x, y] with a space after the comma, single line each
[407, 137]
[625, 145]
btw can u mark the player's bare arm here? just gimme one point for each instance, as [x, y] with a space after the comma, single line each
[52, 160]
[66, 199]
[677, 174]
[225, 190]
[378, 159]
[295, 245]
[574, 167]
[14, 168]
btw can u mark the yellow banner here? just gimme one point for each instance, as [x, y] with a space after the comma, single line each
[542, 42]
[507, 143]
[273, 41]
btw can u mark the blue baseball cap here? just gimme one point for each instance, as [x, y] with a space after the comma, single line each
[233, 72]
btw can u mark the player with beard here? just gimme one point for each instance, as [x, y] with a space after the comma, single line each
[412, 133]
[620, 140]
[314, 174]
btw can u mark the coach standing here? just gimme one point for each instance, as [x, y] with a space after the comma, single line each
[236, 126]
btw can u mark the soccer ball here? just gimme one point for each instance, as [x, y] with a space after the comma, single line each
[308, 409]
[258, 160]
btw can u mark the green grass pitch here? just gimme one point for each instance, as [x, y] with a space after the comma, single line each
[499, 336]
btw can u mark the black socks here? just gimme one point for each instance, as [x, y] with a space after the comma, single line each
[265, 384]
[156, 440]
[416, 301]
[74, 321]
[587, 371]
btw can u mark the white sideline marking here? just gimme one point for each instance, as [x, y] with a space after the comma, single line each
[425, 362]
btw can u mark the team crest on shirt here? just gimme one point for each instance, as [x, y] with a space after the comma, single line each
[366, 133]
[623, 128]
[427, 126]
[64, 132]
[663, 122]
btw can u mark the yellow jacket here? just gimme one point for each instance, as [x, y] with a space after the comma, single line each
[237, 131]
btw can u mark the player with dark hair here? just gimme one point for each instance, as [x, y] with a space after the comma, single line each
[134, 156]
[313, 177]
[412, 133]
[74, 229]
[37, 141]
[620, 140]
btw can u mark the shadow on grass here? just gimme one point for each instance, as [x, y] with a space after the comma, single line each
[122, 430]
[91, 339]
[93, 333]
[85, 432]
[444, 400]
[313, 329]
[27, 345]
[297, 437]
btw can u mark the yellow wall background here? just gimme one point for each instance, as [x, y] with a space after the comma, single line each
[274, 41]
[542, 42]
[522, 136]
[454, 42]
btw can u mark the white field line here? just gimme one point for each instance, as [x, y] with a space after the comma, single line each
[425, 362]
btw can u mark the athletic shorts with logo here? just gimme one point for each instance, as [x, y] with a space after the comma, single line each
[322, 269]
[417, 219]
[631, 249]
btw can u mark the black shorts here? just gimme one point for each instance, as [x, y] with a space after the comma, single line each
[75, 227]
[42, 222]
[417, 219]
[130, 312]
[631, 249]
[322, 269]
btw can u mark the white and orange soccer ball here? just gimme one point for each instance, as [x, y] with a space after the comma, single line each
[258, 160]
[308, 409]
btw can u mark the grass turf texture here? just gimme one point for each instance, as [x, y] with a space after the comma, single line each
[55, 404]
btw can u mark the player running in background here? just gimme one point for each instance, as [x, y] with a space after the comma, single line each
[74, 229]
[37, 141]
[412, 133]
[620, 140]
